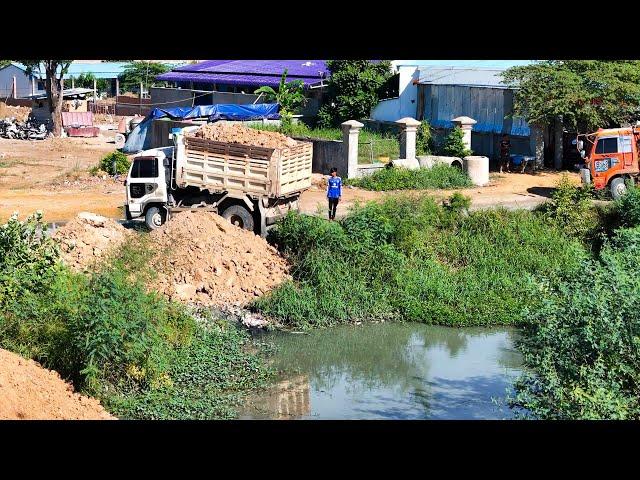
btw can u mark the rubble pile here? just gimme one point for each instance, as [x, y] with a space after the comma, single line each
[204, 259]
[235, 133]
[87, 238]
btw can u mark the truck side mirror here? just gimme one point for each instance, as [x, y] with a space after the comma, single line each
[580, 144]
[582, 153]
[165, 162]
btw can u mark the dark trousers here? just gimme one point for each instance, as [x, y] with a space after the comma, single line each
[333, 204]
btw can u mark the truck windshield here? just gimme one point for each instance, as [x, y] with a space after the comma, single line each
[145, 168]
[607, 145]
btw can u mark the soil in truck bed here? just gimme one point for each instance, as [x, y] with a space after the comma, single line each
[235, 133]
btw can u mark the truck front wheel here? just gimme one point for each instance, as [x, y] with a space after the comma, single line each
[618, 188]
[239, 216]
[154, 217]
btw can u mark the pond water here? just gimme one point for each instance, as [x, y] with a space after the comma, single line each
[390, 371]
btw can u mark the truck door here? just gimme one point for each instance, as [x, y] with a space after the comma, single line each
[607, 154]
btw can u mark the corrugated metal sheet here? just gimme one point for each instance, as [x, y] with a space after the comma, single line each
[249, 72]
[77, 119]
[478, 77]
[485, 105]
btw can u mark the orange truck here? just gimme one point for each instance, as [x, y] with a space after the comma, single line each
[611, 158]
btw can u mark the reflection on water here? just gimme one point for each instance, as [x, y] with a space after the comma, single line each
[390, 371]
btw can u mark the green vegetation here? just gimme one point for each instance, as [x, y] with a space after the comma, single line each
[424, 140]
[410, 259]
[582, 345]
[142, 356]
[372, 144]
[121, 161]
[354, 88]
[582, 94]
[140, 72]
[85, 80]
[454, 146]
[437, 177]
[290, 96]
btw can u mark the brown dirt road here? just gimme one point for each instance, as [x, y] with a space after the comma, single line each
[51, 176]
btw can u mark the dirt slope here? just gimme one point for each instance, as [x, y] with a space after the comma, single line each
[212, 262]
[28, 391]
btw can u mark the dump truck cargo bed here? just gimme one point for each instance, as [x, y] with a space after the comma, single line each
[235, 168]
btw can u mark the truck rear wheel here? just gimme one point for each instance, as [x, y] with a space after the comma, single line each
[239, 216]
[154, 217]
[618, 188]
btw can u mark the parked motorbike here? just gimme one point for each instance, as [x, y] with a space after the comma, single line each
[29, 130]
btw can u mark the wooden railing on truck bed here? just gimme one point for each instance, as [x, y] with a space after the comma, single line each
[221, 166]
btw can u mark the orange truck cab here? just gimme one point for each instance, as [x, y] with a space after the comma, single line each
[612, 158]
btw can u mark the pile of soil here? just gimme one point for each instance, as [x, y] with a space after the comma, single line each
[28, 391]
[236, 133]
[87, 238]
[209, 261]
[21, 114]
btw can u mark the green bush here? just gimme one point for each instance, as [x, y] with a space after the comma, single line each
[436, 177]
[571, 209]
[131, 349]
[410, 259]
[628, 207]
[581, 347]
[121, 163]
[424, 141]
[454, 146]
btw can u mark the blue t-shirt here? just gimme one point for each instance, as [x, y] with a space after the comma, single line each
[334, 187]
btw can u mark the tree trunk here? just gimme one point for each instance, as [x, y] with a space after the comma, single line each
[558, 150]
[55, 99]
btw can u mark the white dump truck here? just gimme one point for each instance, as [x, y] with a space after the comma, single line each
[250, 186]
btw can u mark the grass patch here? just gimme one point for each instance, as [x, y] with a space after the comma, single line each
[411, 259]
[142, 356]
[437, 177]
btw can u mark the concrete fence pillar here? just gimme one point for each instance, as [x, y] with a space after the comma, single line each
[466, 124]
[350, 135]
[408, 130]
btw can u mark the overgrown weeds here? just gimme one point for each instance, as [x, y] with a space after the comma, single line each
[436, 177]
[142, 356]
[411, 259]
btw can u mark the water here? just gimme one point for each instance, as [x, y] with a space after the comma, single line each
[390, 371]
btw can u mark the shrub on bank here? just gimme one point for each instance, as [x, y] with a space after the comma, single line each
[436, 177]
[411, 259]
[131, 349]
[581, 345]
[117, 158]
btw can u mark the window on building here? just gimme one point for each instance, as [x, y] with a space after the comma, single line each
[607, 145]
[41, 85]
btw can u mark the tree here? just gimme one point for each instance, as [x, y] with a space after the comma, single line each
[54, 71]
[581, 95]
[354, 88]
[454, 144]
[136, 73]
[4, 63]
[290, 95]
[85, 80]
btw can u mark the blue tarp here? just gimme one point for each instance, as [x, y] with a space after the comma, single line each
[140, 139]
[221, 111]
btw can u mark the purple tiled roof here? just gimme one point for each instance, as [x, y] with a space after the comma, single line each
[249, 72]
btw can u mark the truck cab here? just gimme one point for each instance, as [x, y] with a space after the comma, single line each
[612, 158]
[147, 186]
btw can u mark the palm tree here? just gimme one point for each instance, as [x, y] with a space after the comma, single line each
[290, 95]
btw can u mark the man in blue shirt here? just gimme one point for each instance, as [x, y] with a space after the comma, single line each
[334, 192]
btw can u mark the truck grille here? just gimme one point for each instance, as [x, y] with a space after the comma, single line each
[136, 190]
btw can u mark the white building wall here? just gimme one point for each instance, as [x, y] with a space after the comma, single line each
[405, 105]
[23, 82]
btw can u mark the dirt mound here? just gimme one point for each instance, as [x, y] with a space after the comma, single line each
[87, 238]
[19, 113]
[209, 261]
[28, 391]
[236, 133]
